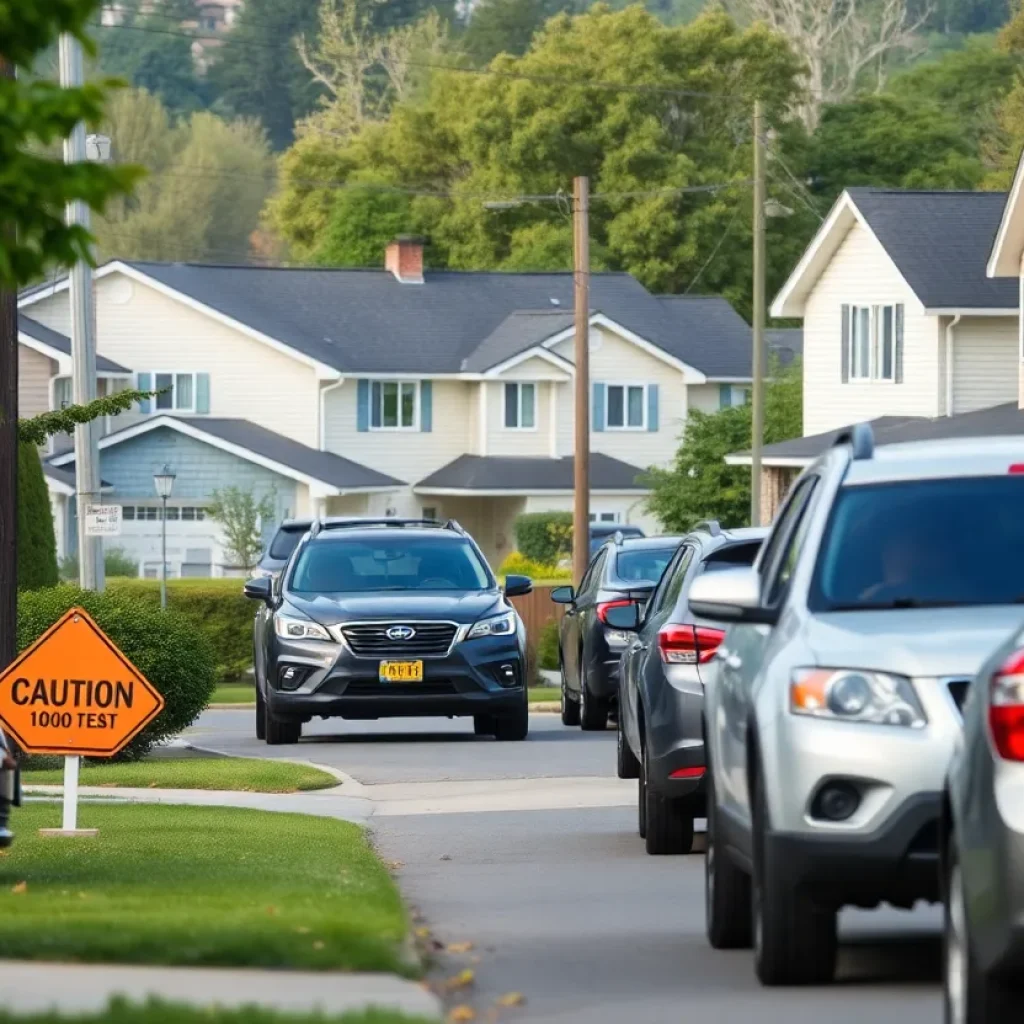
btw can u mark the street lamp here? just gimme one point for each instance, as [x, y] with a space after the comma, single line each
[164, 483]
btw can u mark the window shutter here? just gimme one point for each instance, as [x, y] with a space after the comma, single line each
[203, 394]
[845, 335]
[898, 354]
[145, 383]
[363, 405]
[724, 396]
[597, 401]
[652, 408]
[426, 406]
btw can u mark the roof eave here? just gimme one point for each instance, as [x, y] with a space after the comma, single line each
[1005, 256]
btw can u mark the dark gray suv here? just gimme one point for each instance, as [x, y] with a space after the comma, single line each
[388, 618]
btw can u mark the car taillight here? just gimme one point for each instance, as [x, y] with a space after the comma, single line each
[603, 606]
[688, 645]
[1006, 708]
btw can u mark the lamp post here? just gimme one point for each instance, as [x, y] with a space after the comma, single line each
[164, 483]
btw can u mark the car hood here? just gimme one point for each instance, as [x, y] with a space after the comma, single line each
[913, 641]
[399, 606]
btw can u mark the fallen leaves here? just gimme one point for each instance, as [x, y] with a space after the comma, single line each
[464, 979]
[511, 999]
[20, 887]
[460, 1014]
[459, 947]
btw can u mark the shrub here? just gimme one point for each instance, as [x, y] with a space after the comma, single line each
[520, 565]
[544, 537]
[216, 608]
[116, 562]
[166, 648]
[37, 547]
[547, 646]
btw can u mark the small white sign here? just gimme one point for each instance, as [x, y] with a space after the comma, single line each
[103, 520]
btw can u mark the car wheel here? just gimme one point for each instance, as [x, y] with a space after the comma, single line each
[513, 726]
[570, 708]
[795, 940]
[261, 714]
[726, 890]
[281, 731]
[593, 710]
[483, 725]
[626, 761]
[969, 996]
[669, 826]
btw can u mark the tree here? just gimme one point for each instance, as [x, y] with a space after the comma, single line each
[1003, 144]
[241, 515]
[508, 26]
[699, 484]
[37, 546]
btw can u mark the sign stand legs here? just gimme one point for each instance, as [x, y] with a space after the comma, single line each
[70, 825]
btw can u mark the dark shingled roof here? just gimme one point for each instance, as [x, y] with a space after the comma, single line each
[518, 332]
[324, 466]
[64, 476]
[60, 343]
[720, 343]
[940, 241]
[512, 473]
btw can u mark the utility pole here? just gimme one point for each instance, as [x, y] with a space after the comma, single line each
[8, 452]
[757, 391]
[83, 345]
[581, 450]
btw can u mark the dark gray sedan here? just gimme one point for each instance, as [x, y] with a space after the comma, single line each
[983, 849]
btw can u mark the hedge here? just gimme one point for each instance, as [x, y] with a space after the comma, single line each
[544, 537]
[37, 547]
[166, 647]
[547, 646]
[216, 608]
[520, 565]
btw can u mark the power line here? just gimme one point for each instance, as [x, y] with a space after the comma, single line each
[714, 252]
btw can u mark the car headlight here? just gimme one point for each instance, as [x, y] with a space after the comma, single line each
[849, 695]
[299, 629]
[497, 625]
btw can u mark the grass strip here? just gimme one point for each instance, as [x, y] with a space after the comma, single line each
[159, 1012]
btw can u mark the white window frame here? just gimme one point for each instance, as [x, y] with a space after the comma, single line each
[644, 403]
[872, 373]
[606, 516]
[518, 385]
[178, 509]
[377, 387]
[174, 375]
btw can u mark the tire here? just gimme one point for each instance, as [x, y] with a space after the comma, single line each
[969, 996]
[627, 765]
[570, 707]
[727, 904]
[669, 827]
[483, 725]
[513, 726]
[261, 715]
[281, 731]
[593, 710]
[795, 941]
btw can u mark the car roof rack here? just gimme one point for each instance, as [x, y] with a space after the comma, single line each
[713, 526]
[392, 522]
[860, 438]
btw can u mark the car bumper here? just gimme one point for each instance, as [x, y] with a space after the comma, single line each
[674, 734]
[473, 679]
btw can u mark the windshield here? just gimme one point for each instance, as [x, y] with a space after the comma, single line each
[285, 542]
[389, 563]
[923, 543]
[644, 565]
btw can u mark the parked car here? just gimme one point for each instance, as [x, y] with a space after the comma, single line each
[831, 707]
[983, 848]
[661, 687]
[286, 540]
[388, 618]
[10, 790]
[625, 570]
[602, 532]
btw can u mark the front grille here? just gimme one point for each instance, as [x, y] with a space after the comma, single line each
[371, 688]
[371, 640]
[958, 689]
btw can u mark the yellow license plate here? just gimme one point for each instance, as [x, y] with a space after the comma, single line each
[401, 671]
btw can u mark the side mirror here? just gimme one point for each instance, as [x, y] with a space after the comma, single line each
[517, 586]
[563, 595]
[730, 595]
[259, 589]
[623, 616]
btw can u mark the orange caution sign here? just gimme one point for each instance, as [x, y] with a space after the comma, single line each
[73, 692]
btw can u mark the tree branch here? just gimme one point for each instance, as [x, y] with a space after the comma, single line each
[63, 421]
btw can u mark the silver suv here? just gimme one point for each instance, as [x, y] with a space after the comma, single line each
[833, 704]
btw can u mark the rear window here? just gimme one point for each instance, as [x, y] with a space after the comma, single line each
[285, 542]
[923, 543]
[643, 565]
[732, 557]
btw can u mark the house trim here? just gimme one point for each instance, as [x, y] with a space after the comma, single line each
[1002, 263]
[64, 361]
[536, 352]
[521, 492]
[970, 311]
[779, 461]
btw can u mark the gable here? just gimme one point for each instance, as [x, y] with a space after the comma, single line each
[534, 367]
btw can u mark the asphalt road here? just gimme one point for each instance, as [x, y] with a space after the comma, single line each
[565, 907]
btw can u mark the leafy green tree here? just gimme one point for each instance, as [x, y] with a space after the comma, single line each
[508, 26]
[699, 484]
[37, 547]
[241, 515]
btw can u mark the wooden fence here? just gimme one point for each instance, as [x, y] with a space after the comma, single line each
[537, 610]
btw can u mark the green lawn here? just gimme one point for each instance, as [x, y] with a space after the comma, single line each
[196, 885]
[233, 773]
[157, 1012]
[242, 694]
[540, 694]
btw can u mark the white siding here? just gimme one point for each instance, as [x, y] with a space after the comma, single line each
[984, 362]
[706, 397]
[861, 273]
[409, 455]
[615, 360]
[145, 330]
[534, 369]
[34, 373]
[631, 508]
[503, 441]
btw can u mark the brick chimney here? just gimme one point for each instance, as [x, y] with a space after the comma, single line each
[404, 258]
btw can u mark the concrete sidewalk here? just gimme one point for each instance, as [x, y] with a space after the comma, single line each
[88, 988]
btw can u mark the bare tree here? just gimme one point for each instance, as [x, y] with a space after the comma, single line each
[842, 41]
